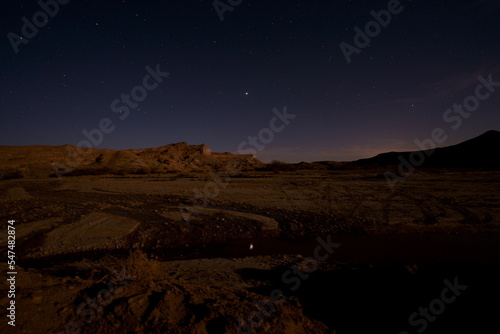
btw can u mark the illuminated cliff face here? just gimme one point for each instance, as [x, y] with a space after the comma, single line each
[42, 161]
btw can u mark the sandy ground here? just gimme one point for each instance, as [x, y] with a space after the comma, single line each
[295, 252]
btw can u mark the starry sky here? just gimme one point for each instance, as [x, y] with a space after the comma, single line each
[225, 77]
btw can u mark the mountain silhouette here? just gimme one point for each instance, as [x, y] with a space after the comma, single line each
[480, 153]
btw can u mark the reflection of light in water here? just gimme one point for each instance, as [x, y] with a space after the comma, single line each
[251, 246]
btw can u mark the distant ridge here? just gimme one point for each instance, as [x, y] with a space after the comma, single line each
[481, 152]
[42, 161]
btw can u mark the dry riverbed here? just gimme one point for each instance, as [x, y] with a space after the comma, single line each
[201, 253]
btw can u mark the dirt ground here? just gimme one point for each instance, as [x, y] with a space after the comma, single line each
[294, 252]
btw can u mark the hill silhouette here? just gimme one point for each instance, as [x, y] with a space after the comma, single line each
[479, 153]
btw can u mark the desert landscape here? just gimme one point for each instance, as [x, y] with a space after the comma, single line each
[179, 239]
[240, 167]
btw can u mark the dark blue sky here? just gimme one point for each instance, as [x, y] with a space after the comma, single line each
[225, 77]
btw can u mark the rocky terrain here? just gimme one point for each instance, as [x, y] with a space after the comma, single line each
[149, 254]
[178, 239]
[44, 161]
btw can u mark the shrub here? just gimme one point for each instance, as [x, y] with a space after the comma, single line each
[141, 171]
[86, 171]
[277, 166]
[136, 267]
[12, 174]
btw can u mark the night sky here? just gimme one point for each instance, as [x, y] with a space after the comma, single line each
[226, 77]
